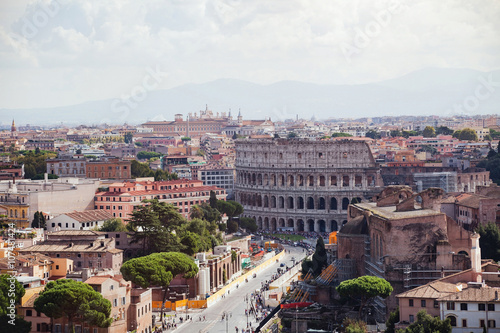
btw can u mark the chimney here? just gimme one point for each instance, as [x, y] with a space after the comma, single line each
[475, 257]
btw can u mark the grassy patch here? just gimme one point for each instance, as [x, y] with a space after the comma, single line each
[293, 238]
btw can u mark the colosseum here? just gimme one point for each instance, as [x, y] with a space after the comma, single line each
[303, 184]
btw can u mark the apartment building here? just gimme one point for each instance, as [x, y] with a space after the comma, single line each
[121, 198]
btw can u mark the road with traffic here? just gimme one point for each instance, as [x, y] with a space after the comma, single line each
[229, 312]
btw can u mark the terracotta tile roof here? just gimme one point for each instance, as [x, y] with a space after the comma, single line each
[90, 215]
[159, 192]
[470, 200]
[434, 290]
[484, 294]
[76, 233]
[63, 246]
[98, 279]
[30, 303]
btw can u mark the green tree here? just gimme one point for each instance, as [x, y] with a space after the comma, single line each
[373, 134]
[225, 207]
[17, 325]
[391, 321]
[6, 307]
[238, 208]
[396, 133]
[146, 155]
[158, 269]
[466, 134]
[354, 326]
[444, 130]
[407, 134]
[191, 242]
[489, 241]
[340, 135]
[428, 324]
[364, 289]
[232, 226]
[113, 225]
[75, 301]
[318, 262]
[213, 199]
[29, 171]
[128, 137]
[39, 221]
[429, 132]
[249, 224]
[153, 225]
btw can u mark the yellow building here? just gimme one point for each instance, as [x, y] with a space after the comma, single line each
[16, 207]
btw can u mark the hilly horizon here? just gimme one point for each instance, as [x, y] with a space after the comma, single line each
[430, 91]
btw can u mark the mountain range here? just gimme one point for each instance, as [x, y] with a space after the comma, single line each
[430, 91]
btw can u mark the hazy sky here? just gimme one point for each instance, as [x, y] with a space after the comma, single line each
[65, 52]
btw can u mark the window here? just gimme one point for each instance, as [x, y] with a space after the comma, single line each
[492, 323]
[423, 303]
[57, 266]
[29, 313]
[410, 302]
[481, 307]
[491, 307]
[464, 322]
[115, 302]
[412, 318]
[453, 321]
[481, 323]
[463, 306]
[123, 300]
[436, 304]
[450, 306]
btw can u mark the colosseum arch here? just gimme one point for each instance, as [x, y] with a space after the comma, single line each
[259, 179]
[290, 181]
[273, 180]
[321, 203]
[322, 226]
[259, 222]
[290, 203]
[289, 223]
[358, 180]
[345, 181]
[273, 201]
[333, 180]
[266, 201]
[281, 222]
[333, 203]
[322, 181]
[273, 224]
[254, 182]
[300, 225]
[282, 180]
[300, 180]
[266, 223]
[300, 203]
[345, 203]
[266, 179]
[310, 203]
[310, 180]
[259, 200]
[281, 202]
[310, 225]
[334, 226]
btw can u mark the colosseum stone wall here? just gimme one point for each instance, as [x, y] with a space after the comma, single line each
[303, 184]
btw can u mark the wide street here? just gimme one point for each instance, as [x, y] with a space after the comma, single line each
[234, 304]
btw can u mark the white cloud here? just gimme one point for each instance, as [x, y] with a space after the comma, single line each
[80, 50]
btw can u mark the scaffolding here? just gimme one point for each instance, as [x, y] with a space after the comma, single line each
[445, 180]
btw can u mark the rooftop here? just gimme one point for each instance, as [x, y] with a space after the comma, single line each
[390, 213]
[90, 215]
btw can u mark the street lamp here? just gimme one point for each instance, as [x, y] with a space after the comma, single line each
[246, 298]
[226, 315]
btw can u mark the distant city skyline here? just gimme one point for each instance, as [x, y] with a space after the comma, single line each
[66, 52]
